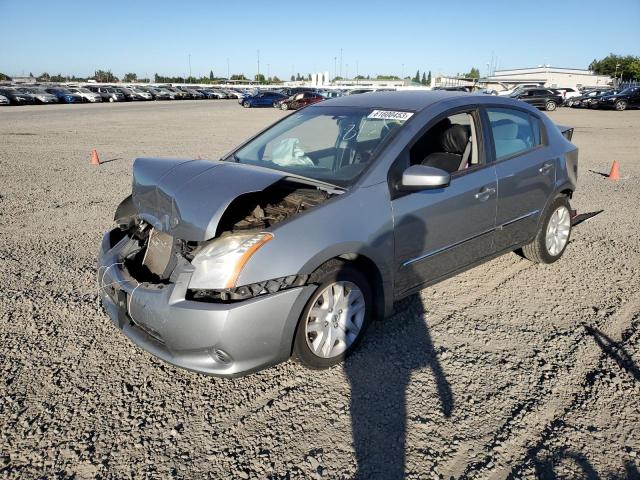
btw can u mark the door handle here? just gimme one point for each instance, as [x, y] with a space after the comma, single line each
[485, 193]
[546, 168]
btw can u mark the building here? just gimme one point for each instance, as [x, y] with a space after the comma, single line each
[547, 76]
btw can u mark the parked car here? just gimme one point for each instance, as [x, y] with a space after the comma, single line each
[299, 100]
[177, 93]
[566, 93]
[262, 99]
[38, 94]
[159, 93]
[64, 95]
[587, 96]
[4, 100]
[108, 94]
[86, 94]
[358, 91]
[141, 94]
[16, 97]
[127, 94]
[511, 91]
[295, 241]
[627, 98]
[539, 97]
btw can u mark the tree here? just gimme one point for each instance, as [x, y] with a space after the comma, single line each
[624, 67]
[293, 78]
[130, 77]
[211, 77]
[299, 77]
[58, 78]
[417, 77]
[4, 77]
[474, 73]
[45, 77]
[429, 78]
[259, 78]
[275, 79]
[424, 79]
[104, 76]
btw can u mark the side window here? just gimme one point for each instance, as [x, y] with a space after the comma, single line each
[513, 131]
[451, 144]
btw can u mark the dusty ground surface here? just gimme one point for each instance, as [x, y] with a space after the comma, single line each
[511, 370]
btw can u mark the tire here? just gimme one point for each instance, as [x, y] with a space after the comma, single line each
[542, 251]
[246, 104]
[284, 106]
[333, 324]
[111, 100]
[621, 105]
[550, 106]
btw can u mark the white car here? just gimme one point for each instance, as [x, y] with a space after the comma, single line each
[568, 93]
[86, 94]
[4, 100]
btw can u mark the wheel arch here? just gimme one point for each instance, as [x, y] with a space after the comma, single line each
[383, 302]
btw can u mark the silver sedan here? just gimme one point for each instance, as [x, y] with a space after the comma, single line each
[293, 243]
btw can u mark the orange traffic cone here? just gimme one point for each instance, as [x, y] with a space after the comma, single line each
[614, 174]
[95, 160]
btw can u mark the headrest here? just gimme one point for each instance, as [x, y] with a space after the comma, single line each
[454, 139]
[504, 130]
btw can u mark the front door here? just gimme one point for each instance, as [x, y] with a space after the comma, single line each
[440, 231]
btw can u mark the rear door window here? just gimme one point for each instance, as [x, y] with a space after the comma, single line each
[513, 131]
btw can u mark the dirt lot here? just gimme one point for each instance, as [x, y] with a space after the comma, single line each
[511, 370]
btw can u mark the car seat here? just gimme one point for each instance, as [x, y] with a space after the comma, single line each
[456, 148]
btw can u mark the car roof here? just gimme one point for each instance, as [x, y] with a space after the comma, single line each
[412, 100]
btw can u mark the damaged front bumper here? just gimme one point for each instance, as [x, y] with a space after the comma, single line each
[222, 339]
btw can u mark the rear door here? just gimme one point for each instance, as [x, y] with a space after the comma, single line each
[525, 171]
[634, 98]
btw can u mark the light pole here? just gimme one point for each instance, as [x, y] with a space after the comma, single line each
[402, 76]
[258, 75]
[189, 68]
[227, 69]
[335, 67]
[340, 62]
[268, 71]
[615, 75]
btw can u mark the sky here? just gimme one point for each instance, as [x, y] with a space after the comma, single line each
[289, 37]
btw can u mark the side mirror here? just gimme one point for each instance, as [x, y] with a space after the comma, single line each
[422, 177]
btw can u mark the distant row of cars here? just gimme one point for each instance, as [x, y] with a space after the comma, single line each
[43, 94]
[618, 99]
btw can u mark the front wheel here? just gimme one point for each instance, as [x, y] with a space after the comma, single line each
[550, 106]
[335, 318]
[284, 106]
[246, 104]
[621, 105]
[553, 235]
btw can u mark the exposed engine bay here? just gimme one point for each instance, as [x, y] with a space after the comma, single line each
[152, 256]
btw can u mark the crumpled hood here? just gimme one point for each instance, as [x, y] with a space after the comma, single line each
[186, 198]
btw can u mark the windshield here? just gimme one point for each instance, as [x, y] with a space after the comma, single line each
[330, 144]
[628, 90]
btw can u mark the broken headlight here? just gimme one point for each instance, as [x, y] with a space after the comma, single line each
[219, 263]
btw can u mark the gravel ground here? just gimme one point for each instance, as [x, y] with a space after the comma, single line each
[511, 370]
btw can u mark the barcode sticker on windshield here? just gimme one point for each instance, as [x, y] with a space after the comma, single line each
[390, 115]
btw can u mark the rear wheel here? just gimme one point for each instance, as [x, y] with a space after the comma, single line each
[553, 234]
[335, 318]
[550, 106]
[621, 105]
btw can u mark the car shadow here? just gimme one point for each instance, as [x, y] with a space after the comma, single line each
[379, 374]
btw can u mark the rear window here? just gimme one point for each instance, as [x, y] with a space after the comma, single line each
[514, 131]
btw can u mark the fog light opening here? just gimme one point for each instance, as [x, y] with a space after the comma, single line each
[220, 356]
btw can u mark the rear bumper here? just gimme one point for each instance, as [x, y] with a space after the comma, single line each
[212, 338]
